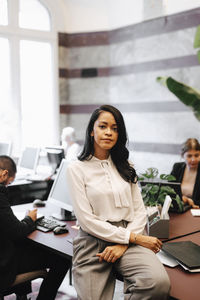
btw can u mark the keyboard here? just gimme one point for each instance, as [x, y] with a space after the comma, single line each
[48, 224]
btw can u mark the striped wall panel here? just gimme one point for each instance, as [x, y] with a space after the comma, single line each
[120, 67]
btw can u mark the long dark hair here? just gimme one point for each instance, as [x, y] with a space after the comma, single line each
[119, 153]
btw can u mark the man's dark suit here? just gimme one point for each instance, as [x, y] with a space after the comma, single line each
[178, 172]
[11, 232]
[18, 255]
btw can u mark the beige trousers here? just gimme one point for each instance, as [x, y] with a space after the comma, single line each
[144, 275]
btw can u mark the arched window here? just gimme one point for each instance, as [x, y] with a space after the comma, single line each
[28, 74]
[33, 15]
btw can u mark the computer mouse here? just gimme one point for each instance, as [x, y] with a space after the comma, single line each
[38, 203]
[60, 230]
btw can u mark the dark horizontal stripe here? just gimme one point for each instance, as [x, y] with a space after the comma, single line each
[78, 109]
[156, 26]
[142, 107]
[149, 66]
[151, 147]
[155, 148]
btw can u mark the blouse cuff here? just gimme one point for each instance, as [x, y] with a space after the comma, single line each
[127, 236]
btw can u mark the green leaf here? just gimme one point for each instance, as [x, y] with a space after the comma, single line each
[198, 56]
[197, 38]
[167, 189]
[184, 93]
[161, 198]
[162, 80]
[154, 194]
[167, 177]
[150, 173]
[179, 202]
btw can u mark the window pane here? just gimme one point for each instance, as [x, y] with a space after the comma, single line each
[7, 113]
[3, 12]
[33, 15]
[37, 93]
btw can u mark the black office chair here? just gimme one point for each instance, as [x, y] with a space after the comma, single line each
[22, 284]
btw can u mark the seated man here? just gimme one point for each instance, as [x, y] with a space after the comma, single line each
[17, 254]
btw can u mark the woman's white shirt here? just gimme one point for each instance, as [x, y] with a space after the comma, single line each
[100, 195]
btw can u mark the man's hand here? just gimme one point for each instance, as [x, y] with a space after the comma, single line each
[32, 214]
[150, 242]
[112, 253]
[189, 201]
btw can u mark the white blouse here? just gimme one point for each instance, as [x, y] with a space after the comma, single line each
[99, 194]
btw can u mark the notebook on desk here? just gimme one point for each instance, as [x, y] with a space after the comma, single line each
[186, 253]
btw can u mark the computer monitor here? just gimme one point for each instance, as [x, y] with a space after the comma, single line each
[5, 148]
[28, 160]
[55, 156]
[59, 194]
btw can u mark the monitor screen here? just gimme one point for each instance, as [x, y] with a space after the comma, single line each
[59, 194]
[29, 158]
[55, 156]
[5, 148]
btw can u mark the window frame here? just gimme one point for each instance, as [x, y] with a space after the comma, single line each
[14, 34]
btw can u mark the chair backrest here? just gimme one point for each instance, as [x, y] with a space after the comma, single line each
[29, 276]
[22, 284]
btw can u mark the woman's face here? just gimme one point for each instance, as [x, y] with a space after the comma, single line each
[105, 134]
[192, 158]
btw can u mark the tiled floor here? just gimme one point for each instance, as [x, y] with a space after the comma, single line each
[70, 292]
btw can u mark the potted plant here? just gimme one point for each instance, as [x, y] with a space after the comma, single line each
[154, 189]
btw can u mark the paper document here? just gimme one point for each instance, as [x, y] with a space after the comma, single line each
[21, 215]
[165, 209]
[195, 212]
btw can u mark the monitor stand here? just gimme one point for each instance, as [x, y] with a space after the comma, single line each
[64, 215]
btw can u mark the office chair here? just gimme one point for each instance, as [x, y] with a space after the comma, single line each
[22, 284]
[117, 275]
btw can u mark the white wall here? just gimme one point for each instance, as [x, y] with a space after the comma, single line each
[100, 15]
[175, 6]
[86, 15]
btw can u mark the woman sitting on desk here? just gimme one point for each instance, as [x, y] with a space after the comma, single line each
[188, 172]
[112, 217]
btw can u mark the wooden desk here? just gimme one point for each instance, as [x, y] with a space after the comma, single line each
[182, 224]
[184, 285]
[59, 243]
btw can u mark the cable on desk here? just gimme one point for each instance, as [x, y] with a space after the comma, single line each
[179, 236]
